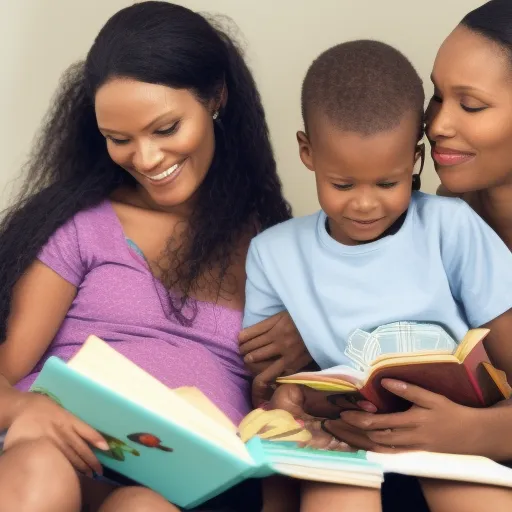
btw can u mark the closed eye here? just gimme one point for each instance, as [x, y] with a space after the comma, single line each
[169, 131]
[117, 142]
[472, 110]
[388, 184]
[339, 186]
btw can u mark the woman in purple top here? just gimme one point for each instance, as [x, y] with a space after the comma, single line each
[152, 173]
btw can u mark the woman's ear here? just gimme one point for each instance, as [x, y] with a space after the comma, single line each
[219, 102]
[305, 150]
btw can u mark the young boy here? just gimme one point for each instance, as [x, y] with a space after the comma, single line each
[379, 251]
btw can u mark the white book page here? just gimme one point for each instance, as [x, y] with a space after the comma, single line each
[465, 468]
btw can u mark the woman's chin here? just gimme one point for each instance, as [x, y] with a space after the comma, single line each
[459, 183]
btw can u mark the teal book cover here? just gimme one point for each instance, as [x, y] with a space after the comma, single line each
[181, 466]
[176, 441]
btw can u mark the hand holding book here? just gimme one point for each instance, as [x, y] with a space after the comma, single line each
[433, 423]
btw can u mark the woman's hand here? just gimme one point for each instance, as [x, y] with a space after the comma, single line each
[271, 349]
[37, 416]
[433, 423]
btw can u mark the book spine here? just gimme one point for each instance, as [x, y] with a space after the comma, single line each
[471, 364]
[471, 374]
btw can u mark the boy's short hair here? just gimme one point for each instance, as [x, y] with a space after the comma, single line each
[362, 86]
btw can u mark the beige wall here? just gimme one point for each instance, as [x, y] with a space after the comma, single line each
[41, 37]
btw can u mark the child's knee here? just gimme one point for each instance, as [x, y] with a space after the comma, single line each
[333, 498]
[40, 459]
[446, 495]
[137, 499]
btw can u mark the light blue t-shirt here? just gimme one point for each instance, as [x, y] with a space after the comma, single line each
[445, 266]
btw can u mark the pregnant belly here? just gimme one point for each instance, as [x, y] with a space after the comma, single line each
[184, 365]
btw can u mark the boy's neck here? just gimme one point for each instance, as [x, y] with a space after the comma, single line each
[392, 230]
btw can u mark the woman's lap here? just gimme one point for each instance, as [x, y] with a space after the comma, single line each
[244, 497]
[399, 493]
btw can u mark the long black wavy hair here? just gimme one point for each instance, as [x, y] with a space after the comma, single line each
[69, 168]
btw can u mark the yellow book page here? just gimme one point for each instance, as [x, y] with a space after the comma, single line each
[416, 359]
[469, 342]
[324, 385]
[99, 362]
[196, 398]
[499, 377]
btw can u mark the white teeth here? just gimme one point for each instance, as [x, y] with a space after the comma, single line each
[164, 174]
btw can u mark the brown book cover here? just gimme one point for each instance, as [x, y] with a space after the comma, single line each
[465, 376]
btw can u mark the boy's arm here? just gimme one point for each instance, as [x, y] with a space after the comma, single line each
[274, 349]
[261, 299]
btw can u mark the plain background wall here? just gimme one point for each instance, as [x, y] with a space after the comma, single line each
[282, 37]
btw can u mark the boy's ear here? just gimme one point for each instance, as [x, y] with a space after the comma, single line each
[420, 155]
[305, 150]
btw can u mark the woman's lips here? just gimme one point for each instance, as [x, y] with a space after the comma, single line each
[447, 157]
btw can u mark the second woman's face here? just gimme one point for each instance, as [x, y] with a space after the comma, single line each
[469, 119]
[163, 137]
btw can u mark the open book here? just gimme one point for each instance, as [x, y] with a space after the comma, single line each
[180, 444]
[465, 376]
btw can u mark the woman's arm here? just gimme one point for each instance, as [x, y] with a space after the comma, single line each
[40, 302]
[272, 348]
[497, 421]
[498, 343]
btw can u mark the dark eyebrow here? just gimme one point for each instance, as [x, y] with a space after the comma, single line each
[469, 89]
[462, 88]
[156, 120]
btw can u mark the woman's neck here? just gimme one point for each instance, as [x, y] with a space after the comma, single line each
[495, 206]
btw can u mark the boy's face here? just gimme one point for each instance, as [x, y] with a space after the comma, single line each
[364, 184]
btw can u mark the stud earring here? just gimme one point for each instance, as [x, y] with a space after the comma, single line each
[215, 115]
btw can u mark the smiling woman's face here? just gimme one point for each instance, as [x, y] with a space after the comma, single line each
[163, 137]
[469, 119]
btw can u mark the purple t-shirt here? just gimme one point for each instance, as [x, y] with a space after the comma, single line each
[121, 302]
